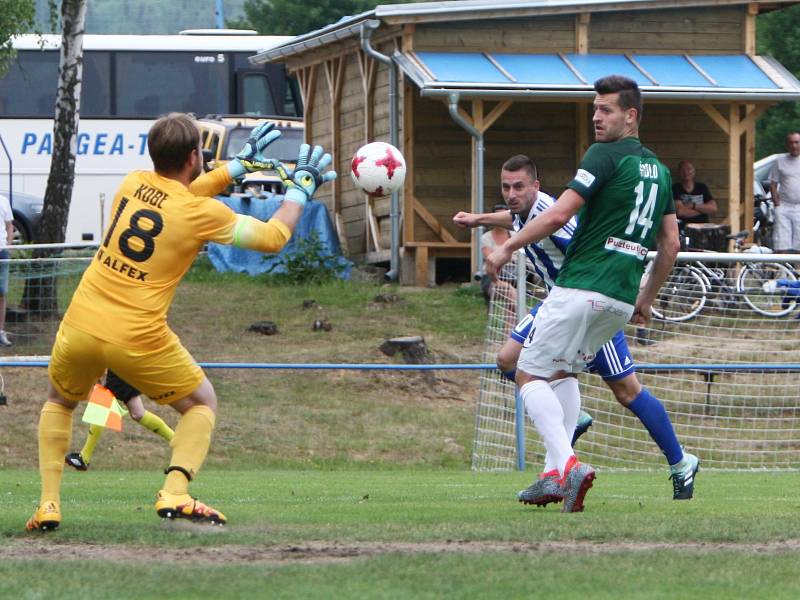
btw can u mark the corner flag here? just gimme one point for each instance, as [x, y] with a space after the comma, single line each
[103, 409]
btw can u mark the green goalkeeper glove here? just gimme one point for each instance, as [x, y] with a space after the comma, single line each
[307, 175]
[250, 158]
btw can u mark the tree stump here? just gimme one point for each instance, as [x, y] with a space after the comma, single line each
[264, 327]
[412, 348]
[386, 298]
[321, 325]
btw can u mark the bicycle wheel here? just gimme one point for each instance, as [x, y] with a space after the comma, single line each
[682, 296]
[751, 279]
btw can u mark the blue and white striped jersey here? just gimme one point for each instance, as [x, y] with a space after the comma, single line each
[547, 255]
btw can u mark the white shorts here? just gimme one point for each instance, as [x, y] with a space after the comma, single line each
[570, 328]
[786, 234]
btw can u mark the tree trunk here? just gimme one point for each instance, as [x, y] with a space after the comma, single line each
[40, 289]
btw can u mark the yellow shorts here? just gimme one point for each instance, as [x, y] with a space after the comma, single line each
[79, 359]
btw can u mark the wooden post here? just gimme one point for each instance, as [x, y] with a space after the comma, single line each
[407, 43]
[307, 78]
[334, 72]
[477, 122]
[749, 159]
[582, 127]
[582, 21]
[734, 169]
[749, 29]
[421, 264]
[741, 155]
[408, 145]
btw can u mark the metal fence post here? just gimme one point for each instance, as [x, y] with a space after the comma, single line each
[522, 310]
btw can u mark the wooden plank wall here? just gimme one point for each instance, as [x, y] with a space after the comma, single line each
[441, 156]
[546, 34]
[697, 139]
[321, 129]
[701, 30]
[352, 138]
[380, 133]
[352, 134]
[544, 131]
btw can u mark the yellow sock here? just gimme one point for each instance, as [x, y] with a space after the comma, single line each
[95, 431]
[189, 447]
[55, 434]
[157, 425]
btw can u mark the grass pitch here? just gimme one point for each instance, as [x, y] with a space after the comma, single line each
[405, 534]
[344, 485]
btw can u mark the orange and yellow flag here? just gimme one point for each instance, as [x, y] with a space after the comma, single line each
[103, 409]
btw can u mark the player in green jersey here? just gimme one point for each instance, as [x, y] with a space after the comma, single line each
[623, 198]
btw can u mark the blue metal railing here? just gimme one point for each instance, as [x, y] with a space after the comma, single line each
[650, 368]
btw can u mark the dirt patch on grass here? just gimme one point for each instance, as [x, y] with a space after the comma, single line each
[39, 548]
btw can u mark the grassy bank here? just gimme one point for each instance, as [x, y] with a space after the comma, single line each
[313, 419]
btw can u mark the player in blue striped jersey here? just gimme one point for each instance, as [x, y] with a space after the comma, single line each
[614, 363]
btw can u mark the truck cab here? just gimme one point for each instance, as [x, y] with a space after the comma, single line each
[223, 136]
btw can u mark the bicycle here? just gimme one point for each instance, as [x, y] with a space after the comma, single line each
[688, 287]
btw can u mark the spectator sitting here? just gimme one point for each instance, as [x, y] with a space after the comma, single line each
[693, 201]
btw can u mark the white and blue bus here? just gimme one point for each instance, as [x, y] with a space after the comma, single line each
[128, 81]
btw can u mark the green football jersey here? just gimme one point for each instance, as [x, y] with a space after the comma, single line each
[627, 191]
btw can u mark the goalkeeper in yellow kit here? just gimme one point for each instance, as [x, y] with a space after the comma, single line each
[117, 317]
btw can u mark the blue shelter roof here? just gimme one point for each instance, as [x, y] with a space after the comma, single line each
[735, 77]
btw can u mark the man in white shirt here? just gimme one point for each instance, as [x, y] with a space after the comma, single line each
[785, 187]
[6, 236]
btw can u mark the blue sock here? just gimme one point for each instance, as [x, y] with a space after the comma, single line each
[510, 375]
[654, 417]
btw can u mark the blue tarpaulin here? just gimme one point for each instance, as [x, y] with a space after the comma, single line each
[315, 219]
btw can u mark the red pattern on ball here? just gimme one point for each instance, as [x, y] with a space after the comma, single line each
[357, 160]
[390, 162]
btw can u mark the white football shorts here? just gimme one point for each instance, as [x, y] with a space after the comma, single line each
[570, 327]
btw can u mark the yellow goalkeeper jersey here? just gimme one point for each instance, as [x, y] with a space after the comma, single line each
[156, 229]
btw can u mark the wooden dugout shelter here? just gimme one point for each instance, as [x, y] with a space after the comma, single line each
[461, 86]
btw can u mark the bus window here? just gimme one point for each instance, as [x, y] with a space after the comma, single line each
[255, 95]
[29, 87]
[95, 85]
[149, 84]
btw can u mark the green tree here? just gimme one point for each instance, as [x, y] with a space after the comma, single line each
[778, 37]
[17, 16]
[290, 17]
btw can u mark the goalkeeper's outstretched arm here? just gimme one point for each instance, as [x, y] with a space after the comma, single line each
[212, 183]
[300, 187]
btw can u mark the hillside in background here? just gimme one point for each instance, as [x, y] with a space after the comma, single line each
[148, 16]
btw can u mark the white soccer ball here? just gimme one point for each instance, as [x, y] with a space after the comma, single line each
[378, 169]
